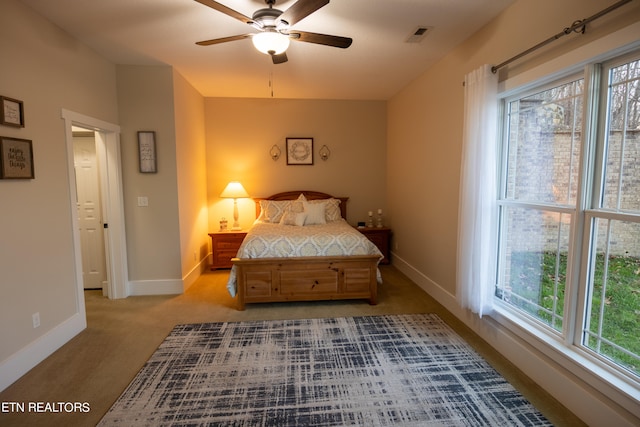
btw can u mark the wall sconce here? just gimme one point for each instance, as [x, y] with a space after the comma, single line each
[324, 152]
[275, 152]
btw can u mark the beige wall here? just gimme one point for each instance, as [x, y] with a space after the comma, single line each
[240, 133]
[48, 71]
[145, 101]
[192, 177]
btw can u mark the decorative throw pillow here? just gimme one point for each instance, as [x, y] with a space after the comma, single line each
[290, 217]
[297, 205]
[332, 208]
[272, 210]
[315, 213]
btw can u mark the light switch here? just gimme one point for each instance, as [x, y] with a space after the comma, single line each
[143, 201]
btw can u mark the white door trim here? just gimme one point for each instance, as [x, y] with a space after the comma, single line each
[108, 153]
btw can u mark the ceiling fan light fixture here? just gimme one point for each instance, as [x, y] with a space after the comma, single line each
[271, 42]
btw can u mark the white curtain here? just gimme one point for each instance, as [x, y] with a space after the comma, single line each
[477, 212]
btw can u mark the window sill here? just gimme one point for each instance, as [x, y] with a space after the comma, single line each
[624, 390]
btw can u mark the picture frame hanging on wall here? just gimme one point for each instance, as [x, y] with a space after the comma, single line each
[12, 112]
[147, 151]
[16, 158]
[300, 151]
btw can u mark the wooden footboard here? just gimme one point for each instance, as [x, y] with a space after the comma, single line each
[306, 279]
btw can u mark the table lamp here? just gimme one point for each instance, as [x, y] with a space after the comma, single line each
[234, 190]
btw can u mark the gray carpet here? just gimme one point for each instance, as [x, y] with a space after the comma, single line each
[409, 370]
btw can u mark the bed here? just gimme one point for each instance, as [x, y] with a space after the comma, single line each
[290, 255]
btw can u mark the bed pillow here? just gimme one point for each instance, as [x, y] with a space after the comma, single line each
[315, 213]
[291, 217]
[294, 214]
[331, 208]
[272, 210]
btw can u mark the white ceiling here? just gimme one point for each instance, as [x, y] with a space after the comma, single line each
[378, 64]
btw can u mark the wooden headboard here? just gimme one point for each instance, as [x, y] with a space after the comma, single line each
[310, 195]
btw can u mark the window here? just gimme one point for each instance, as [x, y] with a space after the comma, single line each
[569, 211]
[612, 311]
[539, 199]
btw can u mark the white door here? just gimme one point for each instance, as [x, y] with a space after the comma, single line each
[89, 210]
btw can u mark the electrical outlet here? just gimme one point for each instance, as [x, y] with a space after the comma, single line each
[143, 201]
[36, 320]
[195, 256]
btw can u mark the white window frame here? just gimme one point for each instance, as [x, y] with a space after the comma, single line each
[572, 210]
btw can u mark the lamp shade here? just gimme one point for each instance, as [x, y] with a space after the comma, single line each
[234, 190]
[271, 42]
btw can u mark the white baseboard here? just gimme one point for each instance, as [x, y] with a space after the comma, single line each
[155, 287]
[195, 273]
[588, 403]
[428, 285]
[168, 286]
[21, 362]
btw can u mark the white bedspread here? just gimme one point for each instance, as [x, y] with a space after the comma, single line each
[268, 240]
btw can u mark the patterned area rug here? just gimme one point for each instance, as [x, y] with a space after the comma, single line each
[409, 370]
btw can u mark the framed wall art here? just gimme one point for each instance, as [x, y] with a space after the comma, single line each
[147, 151]
[12, 112]
[299, 151]
[16, 158]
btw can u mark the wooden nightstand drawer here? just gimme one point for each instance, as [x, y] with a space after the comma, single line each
[228, 244]
[224, 246]
[224, 257]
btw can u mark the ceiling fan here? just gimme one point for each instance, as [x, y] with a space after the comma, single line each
[275, 28]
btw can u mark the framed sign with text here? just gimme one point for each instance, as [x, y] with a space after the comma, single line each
[147, 151]
[16, 158]
[12, 112]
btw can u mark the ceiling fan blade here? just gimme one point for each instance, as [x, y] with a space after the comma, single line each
[301, 9]
[279, 59]
[324, 39]
[226, 10]
[223, 40]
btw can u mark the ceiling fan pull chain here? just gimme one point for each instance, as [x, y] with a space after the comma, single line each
[271, 82]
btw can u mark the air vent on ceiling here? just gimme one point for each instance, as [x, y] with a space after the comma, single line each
[419, 34]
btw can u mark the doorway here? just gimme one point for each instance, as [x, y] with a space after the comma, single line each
[89, 209]
[111, 213]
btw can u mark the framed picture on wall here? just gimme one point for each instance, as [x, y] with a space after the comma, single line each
[12, 112]
[16, 158]
[299, 151]
[147, 151]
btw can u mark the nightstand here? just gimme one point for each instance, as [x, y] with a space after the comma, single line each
[381, 237]
[224, 246]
